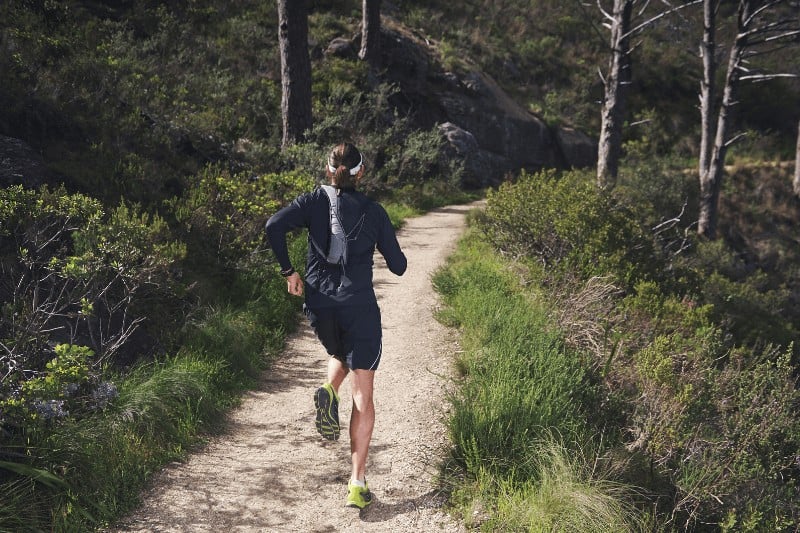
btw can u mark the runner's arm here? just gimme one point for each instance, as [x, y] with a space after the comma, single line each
[389, 247]
[294, 215]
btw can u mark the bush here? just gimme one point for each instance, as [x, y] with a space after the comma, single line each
[714, 418]
[568, 225]
[76, 275]
[223, 214]
[751, 304]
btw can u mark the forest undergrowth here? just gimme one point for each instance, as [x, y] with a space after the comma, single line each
[620, 379]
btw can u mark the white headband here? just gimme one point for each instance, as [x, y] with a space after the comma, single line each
[353, 171]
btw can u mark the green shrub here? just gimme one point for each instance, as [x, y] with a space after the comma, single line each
[747, 301]
[714, 417]
[568, 225]
[72, 272]
[223, 215]
[67, 387]
[76, 275]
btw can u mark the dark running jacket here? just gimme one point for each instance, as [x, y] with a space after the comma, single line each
[329, 285]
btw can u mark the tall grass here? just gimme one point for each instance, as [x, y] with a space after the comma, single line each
[567, 495]
[157, 417]
[81, 474]
[520, 386]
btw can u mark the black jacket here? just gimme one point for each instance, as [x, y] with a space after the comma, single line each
[329, 285]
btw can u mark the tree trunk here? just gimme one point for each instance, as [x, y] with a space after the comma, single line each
[371, 34]
[707, 86]
[295, 70]
[711, 180]
[617, 80]
[797, 164]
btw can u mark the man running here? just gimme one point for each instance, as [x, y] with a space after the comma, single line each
[340, 300]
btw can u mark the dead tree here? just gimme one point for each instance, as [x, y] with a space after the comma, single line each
[615, 87]
[295, 70]
[708, 51]
[761, 26]
[620, 22]
[797, 164]
[371, 34]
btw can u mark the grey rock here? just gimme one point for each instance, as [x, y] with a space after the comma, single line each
[578, 149]
[20, 164]
[486, 132]
[341, 47]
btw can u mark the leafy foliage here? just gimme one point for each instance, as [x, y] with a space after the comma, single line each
[73, 273]
[567, 224]
[699, 410]
[223, 214]
[695, 356]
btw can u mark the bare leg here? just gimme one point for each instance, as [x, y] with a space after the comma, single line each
[362, 420]
[337, 371]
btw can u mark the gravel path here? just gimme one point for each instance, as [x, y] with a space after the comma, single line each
[271, 471]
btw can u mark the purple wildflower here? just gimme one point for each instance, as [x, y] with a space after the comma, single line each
[50, 409]
[105, 392]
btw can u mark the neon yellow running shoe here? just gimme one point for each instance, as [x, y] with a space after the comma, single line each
[357, 496]
[327, 404]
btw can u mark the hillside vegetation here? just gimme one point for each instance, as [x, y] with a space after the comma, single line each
[619, 378]
[621, 374]
[638, 369]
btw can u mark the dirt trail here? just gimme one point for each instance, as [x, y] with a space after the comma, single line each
[271, 471]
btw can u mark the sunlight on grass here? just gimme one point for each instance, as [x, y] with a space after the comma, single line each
[521, 386]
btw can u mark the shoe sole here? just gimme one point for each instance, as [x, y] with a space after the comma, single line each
[327, 424]
[367, 500]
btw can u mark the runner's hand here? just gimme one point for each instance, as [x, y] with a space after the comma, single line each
[295, 284]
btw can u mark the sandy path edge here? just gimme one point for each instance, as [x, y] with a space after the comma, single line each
[270, 471]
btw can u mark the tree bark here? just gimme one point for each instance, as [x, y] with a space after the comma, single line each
[616, 82]
[797, 164]
[711, 179]
[295, 70]
[371, 34]
[708, 51]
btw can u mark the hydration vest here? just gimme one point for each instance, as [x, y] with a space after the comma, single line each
[338, 237]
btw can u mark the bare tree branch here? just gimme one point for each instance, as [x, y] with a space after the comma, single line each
[605, 13]
[785, 35]
[779, 29]
[735, 138]
[767, 77]
[658, 17]
[749, 20]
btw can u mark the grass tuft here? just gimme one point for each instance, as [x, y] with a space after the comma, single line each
[521, 385]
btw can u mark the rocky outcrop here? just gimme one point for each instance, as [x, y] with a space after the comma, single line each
[20, 164]
[577, 149]
[484, 128]
[480, 165]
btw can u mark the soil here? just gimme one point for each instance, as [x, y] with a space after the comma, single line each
[271, 471]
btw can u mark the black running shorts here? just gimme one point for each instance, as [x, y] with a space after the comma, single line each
[352, 334]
